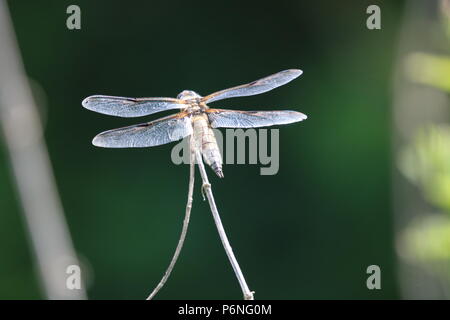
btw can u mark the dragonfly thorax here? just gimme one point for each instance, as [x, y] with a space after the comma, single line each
[188, 95]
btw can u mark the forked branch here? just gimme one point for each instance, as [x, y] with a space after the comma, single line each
[206, 187]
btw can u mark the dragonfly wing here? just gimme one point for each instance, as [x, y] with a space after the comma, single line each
[130, 107]
[255, 87]
[161, 131]
[220, 118]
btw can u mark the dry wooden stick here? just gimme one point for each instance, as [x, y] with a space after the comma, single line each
[187, 216]
[206, 187]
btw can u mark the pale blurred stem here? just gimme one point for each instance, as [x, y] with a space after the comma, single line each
[33, 173]
[206, 187]
[184, 229]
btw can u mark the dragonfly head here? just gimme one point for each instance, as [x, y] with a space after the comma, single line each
[188, 95]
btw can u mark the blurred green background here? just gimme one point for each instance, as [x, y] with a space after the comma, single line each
[308, 232]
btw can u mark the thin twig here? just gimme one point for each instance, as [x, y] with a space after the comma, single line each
[30, 164]
[187, 215]
[206, 187]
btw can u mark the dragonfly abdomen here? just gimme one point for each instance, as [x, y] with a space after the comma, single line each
[206, 142]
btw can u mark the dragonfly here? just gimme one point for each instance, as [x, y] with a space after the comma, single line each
[195, 118]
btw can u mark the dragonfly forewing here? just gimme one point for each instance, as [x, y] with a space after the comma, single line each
[255, 87]
[130, 107]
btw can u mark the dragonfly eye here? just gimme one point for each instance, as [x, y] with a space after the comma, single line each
[188, 94]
